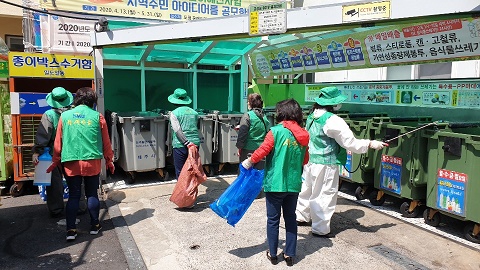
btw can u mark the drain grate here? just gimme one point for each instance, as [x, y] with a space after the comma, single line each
[397, 257]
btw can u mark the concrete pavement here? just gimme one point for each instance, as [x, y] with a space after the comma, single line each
[169, 238]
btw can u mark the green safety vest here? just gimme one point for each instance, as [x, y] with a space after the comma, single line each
[283, 167]
[81, 135]
[257, 132]
[54, 116]
[323, 149]
[188, 119]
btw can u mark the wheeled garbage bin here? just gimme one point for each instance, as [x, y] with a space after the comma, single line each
[142, 142]
[359, 168]
[205, 128]
[400, 167]
[453, 185]
[225, 138]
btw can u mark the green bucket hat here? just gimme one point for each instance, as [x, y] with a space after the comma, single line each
[330, 96]
[180, 97]
[59, 98]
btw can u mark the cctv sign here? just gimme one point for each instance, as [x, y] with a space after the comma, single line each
[70, 35]
[366, 12]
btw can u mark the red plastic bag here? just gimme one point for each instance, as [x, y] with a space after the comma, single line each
[192, 175]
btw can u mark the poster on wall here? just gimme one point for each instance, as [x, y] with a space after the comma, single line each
[436, 41]
[446, 94]
[60, 34]
[167, 10]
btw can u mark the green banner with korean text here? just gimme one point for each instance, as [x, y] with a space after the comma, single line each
[403, 44]
[439, 94]
[168, 10]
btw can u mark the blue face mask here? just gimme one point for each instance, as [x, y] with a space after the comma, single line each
[337, 107]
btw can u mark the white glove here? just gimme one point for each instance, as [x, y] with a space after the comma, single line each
[247, 164]
[377, 145]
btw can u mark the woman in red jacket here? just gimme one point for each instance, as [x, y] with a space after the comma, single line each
[285, 147]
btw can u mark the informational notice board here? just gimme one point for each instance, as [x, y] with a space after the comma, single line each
[446, 94]
[403, 44]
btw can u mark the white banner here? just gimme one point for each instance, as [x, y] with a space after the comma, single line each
[67, 35]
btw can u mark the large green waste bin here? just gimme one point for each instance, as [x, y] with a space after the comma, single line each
[453, 186]
[359, 168]
[400, 167]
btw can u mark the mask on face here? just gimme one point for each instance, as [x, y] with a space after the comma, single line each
[337, 107]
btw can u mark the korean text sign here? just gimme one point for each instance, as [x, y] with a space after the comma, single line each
[170, 10]
[403, 44]
[51, 65]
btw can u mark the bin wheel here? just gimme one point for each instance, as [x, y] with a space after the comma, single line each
[372, 197]
[434, 221]
[404, 210]
[130, 177]
[468, 232]
[16, 190]
[360, 194]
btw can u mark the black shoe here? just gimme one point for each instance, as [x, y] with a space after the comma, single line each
[303, 223]
[288, 260]
[328, 235]
[71, 235]
[95, 229]
[56, 215]
[273, 260]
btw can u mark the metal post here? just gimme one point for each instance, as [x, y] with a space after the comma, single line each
[99, 88]
[195, 86]
[142, 86]
[230, 87]
[244, 84]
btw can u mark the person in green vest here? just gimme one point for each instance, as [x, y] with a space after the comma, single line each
[81, 142]
[330, 138]
[183, 121]
[59, 100]
[285, 149]
[254, 126]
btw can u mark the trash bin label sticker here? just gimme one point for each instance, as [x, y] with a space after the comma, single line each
[391, 174]
[344, 170]
[451, 191]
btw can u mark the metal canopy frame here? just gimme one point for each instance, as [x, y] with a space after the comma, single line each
[226, 42]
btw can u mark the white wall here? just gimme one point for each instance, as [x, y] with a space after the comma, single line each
[8, 10]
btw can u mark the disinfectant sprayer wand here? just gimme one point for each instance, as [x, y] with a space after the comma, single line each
[411, 131]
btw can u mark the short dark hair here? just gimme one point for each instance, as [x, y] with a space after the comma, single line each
[289, 109]
[255, 100]
[85, 96]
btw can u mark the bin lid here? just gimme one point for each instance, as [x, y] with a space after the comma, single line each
[139, 114]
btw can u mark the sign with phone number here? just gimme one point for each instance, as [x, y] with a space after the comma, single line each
[51, 65]
[170, 10]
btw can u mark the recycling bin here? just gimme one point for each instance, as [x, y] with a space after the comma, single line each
[400, 168]
[359, 168]
[453, 185]
[205, 126]
[141, 142]
[225, 149]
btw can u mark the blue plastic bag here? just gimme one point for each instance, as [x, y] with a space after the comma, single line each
[43, 191]
[238, 197]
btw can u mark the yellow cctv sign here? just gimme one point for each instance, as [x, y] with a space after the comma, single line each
[51, 65]
[366, 12]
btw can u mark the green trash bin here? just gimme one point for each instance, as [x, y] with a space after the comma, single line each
[453, 185]
[400, 168]
[359, 168]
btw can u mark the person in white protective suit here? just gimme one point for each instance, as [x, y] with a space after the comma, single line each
[330, 137]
